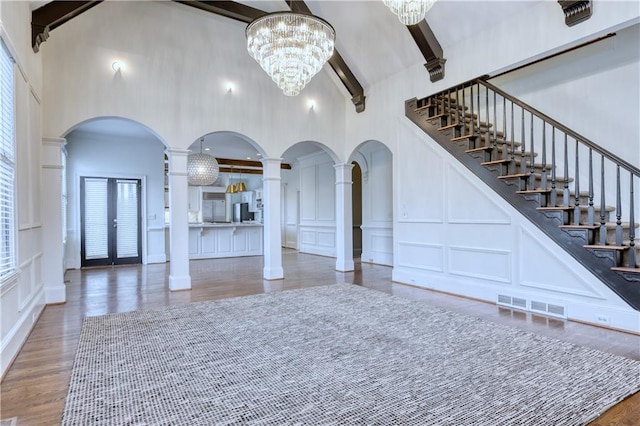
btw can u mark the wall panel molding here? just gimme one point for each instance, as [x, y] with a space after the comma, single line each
[425, 256]
[482, 263]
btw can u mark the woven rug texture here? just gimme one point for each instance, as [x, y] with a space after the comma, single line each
[332, 355]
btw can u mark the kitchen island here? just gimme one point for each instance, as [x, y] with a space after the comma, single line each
[216, 240]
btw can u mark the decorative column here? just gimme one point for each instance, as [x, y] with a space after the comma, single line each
[179, 278]
[271, 214]
[344, 218]
[52, 243]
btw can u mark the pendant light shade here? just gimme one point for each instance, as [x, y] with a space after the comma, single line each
[290, 47]
[410, 12]
[202, 169]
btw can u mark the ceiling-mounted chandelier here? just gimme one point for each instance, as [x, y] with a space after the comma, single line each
[202, 169]
[410, 12]
[290, 47]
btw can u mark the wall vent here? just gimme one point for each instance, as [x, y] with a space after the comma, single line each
[548, 309]
[534, 306]
[514, 302]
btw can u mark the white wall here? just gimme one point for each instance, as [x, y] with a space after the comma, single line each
[317, 228]
[101, 156]
[290, 206]
[178, 61]
[22, 295]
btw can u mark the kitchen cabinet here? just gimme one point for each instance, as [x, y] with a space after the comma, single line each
[195, 198]
[208, 241]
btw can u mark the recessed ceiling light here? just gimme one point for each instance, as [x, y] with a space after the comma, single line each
[207, 149]
[258, 154]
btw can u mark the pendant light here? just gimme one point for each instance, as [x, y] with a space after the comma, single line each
[231, 188]
[202, 169]
[240, 186]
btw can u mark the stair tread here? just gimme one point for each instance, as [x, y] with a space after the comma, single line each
[626, 269]
[526, 175]
[448, 126]
[607, 247]
[534, 191]
[593, 227]
[555, 208]
[463, 137]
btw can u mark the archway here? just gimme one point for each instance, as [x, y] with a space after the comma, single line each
[376, 163]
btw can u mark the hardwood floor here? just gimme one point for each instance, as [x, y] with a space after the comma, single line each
[35, 387]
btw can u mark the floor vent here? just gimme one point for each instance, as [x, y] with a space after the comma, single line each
[548, 309]
[534, 306]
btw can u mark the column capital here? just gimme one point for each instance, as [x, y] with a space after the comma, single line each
[59, 142]
[271, 170]
[343, 166]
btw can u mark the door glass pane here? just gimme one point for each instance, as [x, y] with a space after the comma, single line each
[127, 218]
[95, 218]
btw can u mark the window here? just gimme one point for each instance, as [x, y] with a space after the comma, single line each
[7, 165]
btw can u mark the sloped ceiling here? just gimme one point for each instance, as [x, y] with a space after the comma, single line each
[372, 41]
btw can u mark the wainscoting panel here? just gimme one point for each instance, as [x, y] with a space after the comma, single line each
[478, 262]
[560, 278]
[424, 256]
[319, 240]
[466, 203]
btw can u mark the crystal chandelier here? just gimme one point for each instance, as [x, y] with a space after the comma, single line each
[410, 12]
[202, 169]
[290, 47]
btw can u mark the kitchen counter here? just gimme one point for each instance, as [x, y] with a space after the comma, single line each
[209, 240]
[223, 224]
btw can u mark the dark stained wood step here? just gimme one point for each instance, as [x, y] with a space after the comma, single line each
[626, 270]
[534, 191]
[607, 247]
[587, 227]
[526, 176]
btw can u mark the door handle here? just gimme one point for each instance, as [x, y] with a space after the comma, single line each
[115, 223]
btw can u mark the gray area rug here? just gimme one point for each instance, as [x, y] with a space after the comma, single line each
[332, 355]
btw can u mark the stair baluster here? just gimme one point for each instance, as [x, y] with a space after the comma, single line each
[472, 129]
[576, 187]
[603, 207]
[543, 178]
[512, 163]
[488, 132]
[457, 131]
[554, 196]
[532, 146]
[479, 108]
[495, 127]
[523, 154]
[632, 227]
[565, 191]
[618, 209]
[590, 211]
[505, 145]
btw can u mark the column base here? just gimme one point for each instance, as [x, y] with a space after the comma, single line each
[272, 273]
[55, 293]
[345, 265]
[179, 283]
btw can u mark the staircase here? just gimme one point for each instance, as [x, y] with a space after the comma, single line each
[578, 193]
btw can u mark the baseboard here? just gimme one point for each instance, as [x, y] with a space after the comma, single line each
[593, 313]
[15, 338]
[156, 258]
[272, 273]
[55, 293]
[377, 258]
[345, 265]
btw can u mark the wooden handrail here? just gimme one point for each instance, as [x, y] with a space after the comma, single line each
[609, 155]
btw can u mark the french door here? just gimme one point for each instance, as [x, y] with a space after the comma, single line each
[110, 215]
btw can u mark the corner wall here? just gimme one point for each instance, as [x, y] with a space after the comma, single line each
[22, 295]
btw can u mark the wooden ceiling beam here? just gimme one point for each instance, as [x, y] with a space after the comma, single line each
[246, 163]
[243, 171]
[338, 64]
[52, 15]
[430, 48]
[246, 14]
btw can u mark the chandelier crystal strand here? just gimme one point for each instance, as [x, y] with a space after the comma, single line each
[410, 12]
[290, 47]
[202, 169]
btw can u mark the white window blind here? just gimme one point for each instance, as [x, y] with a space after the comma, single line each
[127, 217]
[7, 164]
[96, 218]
